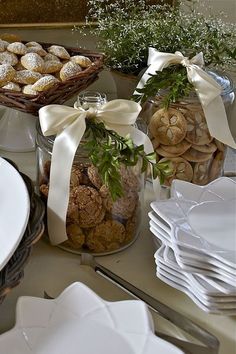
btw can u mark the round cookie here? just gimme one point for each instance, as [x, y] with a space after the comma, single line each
[52, 57]
[165, 153]
[94, 176]
[40, 51]
[124, 206]
[201, 172]
[107, 236]
[197, 130]
[220, 145]
[193, 155]
[177, 149]
[216, 166]
[182, 170]
[76, 176]
[168, 126]
[76, 237]
[206, 148]
[89, 204]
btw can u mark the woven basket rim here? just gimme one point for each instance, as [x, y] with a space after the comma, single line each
[13, 271]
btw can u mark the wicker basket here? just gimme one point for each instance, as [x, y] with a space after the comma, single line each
[61, 91]
[12, 273]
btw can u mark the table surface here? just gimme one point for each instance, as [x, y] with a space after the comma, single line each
[51, 269]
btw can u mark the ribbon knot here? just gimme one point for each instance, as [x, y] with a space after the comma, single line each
[185, 62]
[206, 88]
[69, 125]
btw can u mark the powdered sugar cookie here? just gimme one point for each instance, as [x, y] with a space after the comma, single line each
[28, 90]
[17, 48]
[45, 83]
[69, 70]
[7, 73]
[26, 77]
[83, 61]
[8, 58]
[59, 51]
[3, 45]
[12, 86]
[52, 66]
[32, 61]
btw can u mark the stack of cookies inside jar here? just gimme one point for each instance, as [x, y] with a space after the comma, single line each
[95, 222]
[180, 135]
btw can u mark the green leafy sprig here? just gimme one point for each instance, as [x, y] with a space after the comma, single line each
[173, 80]
[108, 150]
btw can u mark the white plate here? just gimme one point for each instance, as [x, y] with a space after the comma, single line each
[192, 257]
[175, 213]
[222, 188]
[14, 210]
[79, 321]
[207, 287]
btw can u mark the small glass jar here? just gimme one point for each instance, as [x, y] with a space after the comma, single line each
[180, 135]
[95, 223]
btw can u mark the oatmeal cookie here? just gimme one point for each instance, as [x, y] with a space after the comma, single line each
[124, 206]
[94, 177]
[107, 236]
[76, 237]
[89, 204]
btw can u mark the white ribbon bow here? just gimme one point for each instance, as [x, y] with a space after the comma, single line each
[206, 87]
[69, 125]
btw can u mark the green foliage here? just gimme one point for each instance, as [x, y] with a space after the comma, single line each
[173, 80]
[107, 150]
[126, 29]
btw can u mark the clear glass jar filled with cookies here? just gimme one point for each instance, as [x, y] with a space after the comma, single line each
[99, 220]
[180, 134]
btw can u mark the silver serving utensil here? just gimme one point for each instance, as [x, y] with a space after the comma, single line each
[210, 342]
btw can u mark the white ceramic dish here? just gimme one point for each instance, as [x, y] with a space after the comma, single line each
[188, 259]
[179, 280]
[14, 210]
[79, 321]
[222, 188]
[175, 213]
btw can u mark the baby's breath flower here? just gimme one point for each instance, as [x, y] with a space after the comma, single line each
[126, 29]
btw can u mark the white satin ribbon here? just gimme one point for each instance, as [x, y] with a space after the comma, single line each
[206, 87]
[69, 125]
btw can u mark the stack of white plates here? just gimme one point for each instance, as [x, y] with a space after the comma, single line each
[197, 230]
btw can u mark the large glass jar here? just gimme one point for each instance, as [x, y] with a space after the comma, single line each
[180, 135]
[95, 223]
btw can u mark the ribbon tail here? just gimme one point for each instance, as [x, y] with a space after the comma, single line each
[64, 148]
[217, 122]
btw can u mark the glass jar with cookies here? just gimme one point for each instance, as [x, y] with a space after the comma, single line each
[99, 220]
[180, 134]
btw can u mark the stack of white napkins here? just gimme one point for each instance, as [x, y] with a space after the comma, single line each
[196, 228]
